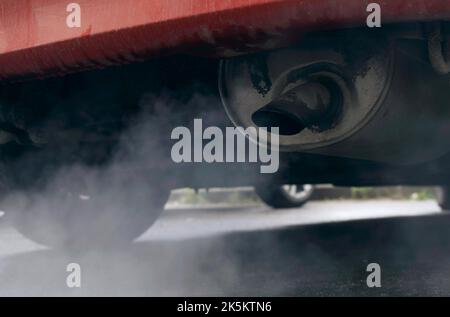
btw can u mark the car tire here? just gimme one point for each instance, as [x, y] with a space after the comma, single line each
[285, 196]
[62, 215]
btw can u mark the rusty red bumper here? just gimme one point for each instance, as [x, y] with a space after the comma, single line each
[35, 40]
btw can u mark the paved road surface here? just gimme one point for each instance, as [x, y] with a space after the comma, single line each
[321, 250]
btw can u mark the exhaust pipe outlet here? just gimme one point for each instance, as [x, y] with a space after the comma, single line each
[308, 106]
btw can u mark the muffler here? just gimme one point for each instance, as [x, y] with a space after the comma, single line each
[349, 95]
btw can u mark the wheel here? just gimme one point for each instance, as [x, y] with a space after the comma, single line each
[85, 209]
[286, 196]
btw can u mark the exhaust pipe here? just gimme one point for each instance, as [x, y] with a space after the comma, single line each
[311, 106]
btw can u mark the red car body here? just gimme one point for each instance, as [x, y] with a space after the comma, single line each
[36, 41]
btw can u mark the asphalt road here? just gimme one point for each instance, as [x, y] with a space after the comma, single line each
[321, 250]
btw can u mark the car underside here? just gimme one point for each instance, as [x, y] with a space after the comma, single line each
[356, 106]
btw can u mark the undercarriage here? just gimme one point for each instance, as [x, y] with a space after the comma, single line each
[354, 107]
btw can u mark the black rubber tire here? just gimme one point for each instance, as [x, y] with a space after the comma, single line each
[276, 197]
[59, 216]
